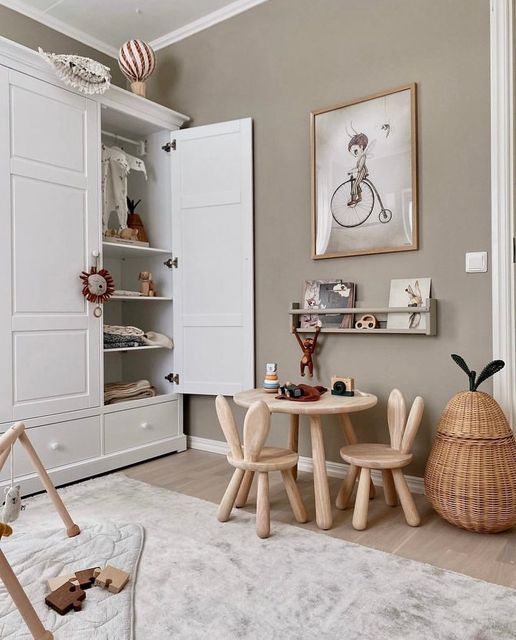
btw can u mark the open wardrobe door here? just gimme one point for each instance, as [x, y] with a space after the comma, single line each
[212, 236]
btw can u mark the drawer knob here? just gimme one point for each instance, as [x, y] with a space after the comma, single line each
[55, 446]
[145, 425]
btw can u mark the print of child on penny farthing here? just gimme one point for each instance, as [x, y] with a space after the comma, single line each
[354, 200]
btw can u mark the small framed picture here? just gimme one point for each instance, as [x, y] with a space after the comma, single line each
[364, 175]
[328, 294]
[408, 292]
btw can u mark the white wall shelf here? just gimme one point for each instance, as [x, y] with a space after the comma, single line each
[123, 251]
[429, 310]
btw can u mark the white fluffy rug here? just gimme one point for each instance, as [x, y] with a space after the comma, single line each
[201, 579]
[38, 551]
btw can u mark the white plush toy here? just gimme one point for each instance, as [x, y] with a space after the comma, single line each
[12, 505]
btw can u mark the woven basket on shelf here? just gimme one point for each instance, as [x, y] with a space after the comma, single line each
[470, 477]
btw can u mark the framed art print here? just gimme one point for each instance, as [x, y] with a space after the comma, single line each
[364, 175]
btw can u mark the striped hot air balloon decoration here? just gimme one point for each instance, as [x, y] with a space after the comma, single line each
[137, 62]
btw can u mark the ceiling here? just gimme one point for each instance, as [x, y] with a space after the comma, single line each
[106, 24]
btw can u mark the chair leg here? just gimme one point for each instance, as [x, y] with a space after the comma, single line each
[389, 490]
[406, 499]
[362, 500]
[293, 438]
[245, 487]
[294, 497]
[263, 507]
[226, 506]
[346, 488]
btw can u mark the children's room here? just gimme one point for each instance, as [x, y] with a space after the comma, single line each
[258, 328]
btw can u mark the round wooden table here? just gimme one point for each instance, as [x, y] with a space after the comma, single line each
[327, 405]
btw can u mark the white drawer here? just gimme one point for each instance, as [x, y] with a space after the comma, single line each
[57, 444]
[137, 427]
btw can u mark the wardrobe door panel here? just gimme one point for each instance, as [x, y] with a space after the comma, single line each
[55, 227]
[6, 408]
[47, 128]
[212, 235]
[47, 211]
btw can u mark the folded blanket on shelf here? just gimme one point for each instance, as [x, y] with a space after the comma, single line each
[116, 330]
[113, 341]
[150, 393]
[121, 391]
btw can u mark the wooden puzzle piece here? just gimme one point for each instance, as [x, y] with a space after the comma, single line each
[112, 579]
[59, 581]
[86, 577]
[68, 596]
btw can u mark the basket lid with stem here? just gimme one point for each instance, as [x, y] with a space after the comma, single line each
[475, 414]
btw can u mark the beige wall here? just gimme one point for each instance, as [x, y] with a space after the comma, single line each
[276, 63]
[32, 34]
[284, 58]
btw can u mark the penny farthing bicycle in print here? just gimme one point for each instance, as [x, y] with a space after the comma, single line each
[355, 199]
[353, 215]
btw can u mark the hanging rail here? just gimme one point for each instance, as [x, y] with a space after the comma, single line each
[140, 144]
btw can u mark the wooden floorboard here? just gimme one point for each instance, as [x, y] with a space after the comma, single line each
[490, 557]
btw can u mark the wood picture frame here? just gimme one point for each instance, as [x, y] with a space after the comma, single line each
[364, 175]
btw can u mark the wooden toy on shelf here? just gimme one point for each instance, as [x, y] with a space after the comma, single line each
[147, 287]
[342, 386]
[67, 597]
[145, 279]
[308, 346]
[271, 382]
[367, 321]
[112, 579]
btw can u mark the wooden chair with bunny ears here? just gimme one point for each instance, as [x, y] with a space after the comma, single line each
[389, 459]
[254, 457]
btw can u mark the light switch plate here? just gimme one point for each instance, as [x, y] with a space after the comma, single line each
[476, 262]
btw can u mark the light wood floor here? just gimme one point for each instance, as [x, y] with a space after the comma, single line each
[489, 557]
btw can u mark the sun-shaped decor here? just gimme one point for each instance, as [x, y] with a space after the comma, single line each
[98, 286]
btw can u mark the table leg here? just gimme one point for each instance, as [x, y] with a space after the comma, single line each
[293, 438]
[323, 513]
[351, 438]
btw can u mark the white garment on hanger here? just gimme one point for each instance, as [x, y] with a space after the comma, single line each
[116, 165]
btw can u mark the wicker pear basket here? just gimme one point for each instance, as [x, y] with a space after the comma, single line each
[470, 477]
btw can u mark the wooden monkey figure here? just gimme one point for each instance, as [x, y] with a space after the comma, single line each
[308, 346]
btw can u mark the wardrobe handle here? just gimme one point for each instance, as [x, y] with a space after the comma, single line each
[55, 446]
[145, 425]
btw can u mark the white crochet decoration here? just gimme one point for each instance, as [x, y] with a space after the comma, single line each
[84, 74]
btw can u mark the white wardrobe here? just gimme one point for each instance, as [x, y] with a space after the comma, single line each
[197, 210]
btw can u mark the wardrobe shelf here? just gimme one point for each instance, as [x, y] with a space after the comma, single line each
[143, 298]
[120, 250]
[139, 402]
[142, 348]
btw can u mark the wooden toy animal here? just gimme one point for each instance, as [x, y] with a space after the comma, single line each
[5, 530]
[308, 346]
[12, 505]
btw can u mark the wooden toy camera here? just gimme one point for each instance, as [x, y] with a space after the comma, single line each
[342, 386]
